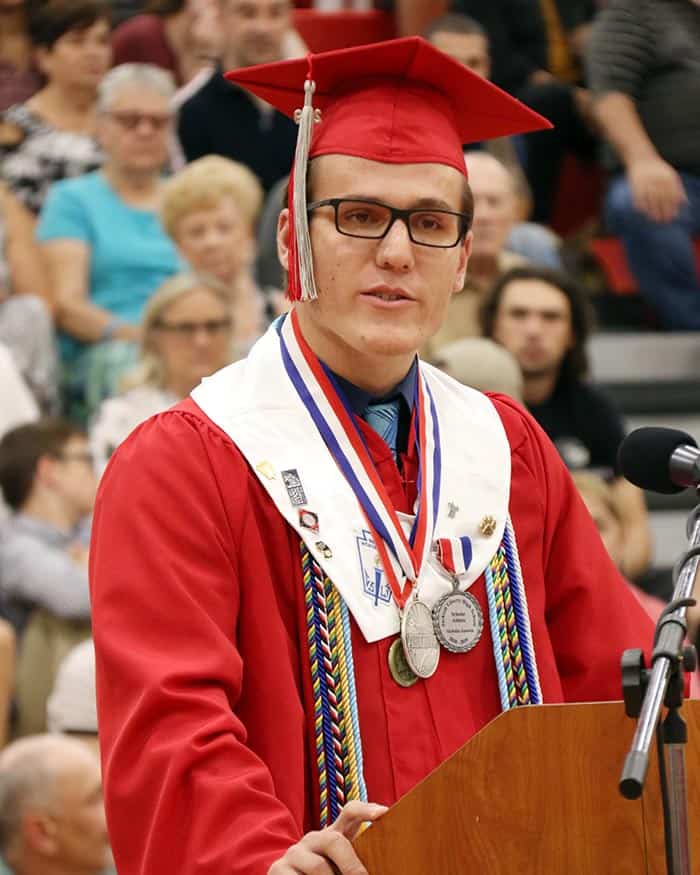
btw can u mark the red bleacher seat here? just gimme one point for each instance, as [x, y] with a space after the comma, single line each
[324, 31]
[610, 255]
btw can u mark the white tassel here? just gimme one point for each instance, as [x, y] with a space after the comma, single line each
[305, 118]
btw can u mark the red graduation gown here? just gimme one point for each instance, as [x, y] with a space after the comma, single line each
[202, 669]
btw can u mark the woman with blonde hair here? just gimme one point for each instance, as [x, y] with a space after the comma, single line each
[187, 334]
[210, 209]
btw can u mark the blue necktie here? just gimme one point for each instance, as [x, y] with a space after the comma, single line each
[383, 417]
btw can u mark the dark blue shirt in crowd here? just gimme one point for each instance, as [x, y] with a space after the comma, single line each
[222, 119]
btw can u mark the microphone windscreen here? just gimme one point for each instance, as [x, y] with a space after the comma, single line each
[645, 455]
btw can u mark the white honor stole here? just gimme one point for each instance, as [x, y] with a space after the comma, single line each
[255, 403]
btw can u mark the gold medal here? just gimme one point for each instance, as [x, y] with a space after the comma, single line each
[399, 668]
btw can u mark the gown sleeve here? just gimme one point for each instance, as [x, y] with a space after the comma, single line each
[592, 615]
[183, 791]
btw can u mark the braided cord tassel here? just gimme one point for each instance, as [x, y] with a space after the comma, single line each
[498, 570]
[322, 731]
[514, 641]
[336, 723]
[495, 640]
[511, 634]
[522, 614]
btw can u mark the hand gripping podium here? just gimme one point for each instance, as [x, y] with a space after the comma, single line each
[535, 791]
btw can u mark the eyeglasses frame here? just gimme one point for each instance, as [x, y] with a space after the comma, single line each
[396, 213]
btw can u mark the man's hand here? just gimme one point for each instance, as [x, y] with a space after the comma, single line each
[328, 851]
[657, 189]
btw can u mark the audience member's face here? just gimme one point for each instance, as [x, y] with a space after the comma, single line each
[80, 58]
[215, 240]
[73, 476]
[494, 204]
[134, 131]
[354, 277]
[533, 323]
[470, 49]
[255, 30]
[80, 841]
[194, 338]
[608, 526]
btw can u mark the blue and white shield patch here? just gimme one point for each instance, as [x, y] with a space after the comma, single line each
[374, 582]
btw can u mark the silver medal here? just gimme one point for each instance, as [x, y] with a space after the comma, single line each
[420, 645]
[458, 620]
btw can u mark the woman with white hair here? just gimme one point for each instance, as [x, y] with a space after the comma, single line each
[105, 249]
[187, 334]
[210, 209]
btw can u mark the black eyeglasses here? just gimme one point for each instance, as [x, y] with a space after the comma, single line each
[187, 330]
[373, 220]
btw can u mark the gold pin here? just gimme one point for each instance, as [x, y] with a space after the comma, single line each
[487, 526]
[266, 469]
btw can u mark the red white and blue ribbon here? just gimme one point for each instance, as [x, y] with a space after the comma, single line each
[335, 423]
[454, 554]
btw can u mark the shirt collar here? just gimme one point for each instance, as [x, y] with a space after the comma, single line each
[46, 532]
[359, 399]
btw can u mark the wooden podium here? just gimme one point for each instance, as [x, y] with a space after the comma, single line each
[536, 791]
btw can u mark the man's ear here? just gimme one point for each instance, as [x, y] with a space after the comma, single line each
[44, 471]
[283, 232]
[465, 250]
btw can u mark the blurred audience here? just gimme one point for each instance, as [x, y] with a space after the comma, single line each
[181, 36]
[210, 209]
[187, 335]
[26, 328]
[52, 819]
[19, 78]
[568, 28]
[482, 364]
[465, 40]
[52, 135]
[225, 120]
[544, 319]
[644, 68]
[602, 503]
[518, 41]
[72, 707]
[17, 404]
[105, 249]
[48, 481]
[8, 648]
[493, 189]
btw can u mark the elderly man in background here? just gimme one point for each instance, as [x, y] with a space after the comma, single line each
[52, 819]
[495, 206]
[644, 69]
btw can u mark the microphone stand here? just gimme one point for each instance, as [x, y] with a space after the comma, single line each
[647, 690]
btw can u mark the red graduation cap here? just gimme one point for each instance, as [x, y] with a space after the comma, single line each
[400, 101]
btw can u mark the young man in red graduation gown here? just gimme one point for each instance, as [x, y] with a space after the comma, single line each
[318, 577]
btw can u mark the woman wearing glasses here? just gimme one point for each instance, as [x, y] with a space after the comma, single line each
[105, 249]
[187, 334]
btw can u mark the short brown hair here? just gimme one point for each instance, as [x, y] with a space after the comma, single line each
[20, 451]
[575, 363]
[50, 20]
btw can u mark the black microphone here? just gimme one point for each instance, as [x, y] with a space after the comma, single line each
[660, 459]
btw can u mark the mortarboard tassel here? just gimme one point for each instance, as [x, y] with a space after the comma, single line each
[302, 286]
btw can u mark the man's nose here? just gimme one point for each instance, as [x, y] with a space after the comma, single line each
[395, 250]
